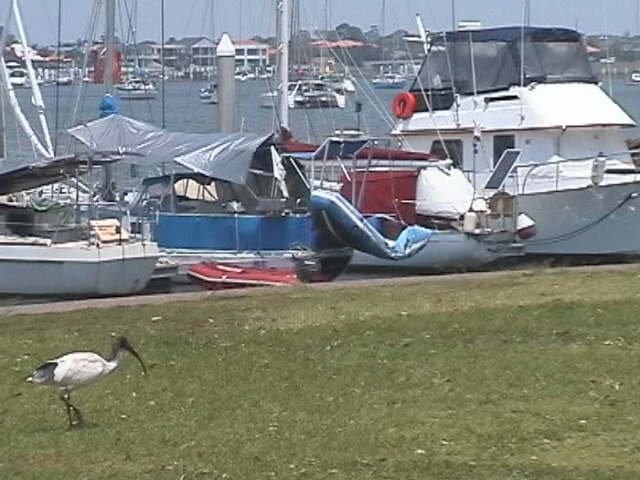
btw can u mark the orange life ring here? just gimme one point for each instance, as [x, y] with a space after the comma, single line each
[404, 105]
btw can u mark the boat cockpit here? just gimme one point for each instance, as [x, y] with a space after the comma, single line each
[472, 62]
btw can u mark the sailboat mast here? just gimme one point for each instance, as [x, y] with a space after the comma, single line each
[213, 21]
[37, 95]
[162, 66]
[11, 94]
[110, 44]
[453, 15]
[284, 15]
[382, 33]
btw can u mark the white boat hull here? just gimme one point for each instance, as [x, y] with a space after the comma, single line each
[602, 220]
[137, 95]
[447, 251]
[76, 269]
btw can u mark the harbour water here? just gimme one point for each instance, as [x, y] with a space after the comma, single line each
[183, 111]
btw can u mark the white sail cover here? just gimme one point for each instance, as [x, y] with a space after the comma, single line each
[220, 156]
[443, 193]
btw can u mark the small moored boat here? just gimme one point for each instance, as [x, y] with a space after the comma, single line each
[634, 78]
[209, 94]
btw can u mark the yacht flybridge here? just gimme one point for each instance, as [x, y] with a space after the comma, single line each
[481, 92]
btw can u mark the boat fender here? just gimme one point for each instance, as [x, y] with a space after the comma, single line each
[598, 168]
[525, 227]
[404, 105]
[470, 222]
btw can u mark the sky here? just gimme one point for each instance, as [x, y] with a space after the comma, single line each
[245, 18]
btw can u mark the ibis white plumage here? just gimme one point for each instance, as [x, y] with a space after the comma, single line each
[80, 369]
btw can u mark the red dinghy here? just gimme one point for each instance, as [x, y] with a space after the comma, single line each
[216, 276]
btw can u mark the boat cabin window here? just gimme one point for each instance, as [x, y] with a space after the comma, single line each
[500, 144]
[487, 60]
[450, 149]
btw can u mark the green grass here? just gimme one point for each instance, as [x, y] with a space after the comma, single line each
[529, 376]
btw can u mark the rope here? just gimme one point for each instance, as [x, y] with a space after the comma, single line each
[585, 228]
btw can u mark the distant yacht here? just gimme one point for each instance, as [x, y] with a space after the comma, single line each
[209, 94]
[18, 76]
[309, 94]
[137, 89]
[634, 78]
[389, 80]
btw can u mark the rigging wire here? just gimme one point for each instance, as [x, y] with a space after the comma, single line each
[89, 39]
[367, 91]
[59, 59]
[132, 42]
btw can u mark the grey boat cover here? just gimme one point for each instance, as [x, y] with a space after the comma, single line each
[18, 174]
[216, 155]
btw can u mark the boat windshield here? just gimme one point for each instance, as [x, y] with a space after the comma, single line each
[551, 55]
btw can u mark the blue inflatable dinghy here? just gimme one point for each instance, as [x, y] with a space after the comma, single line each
[350, 227]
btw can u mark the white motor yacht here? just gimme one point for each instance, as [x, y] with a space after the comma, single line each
[481, 92]
[18, 76]
[308, 94]
[137, 89]
[389, 81]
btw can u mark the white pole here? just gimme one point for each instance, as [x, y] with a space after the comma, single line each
[37, 95]
[226, 65]
[284, 12]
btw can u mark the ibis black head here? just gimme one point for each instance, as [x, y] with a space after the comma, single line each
[121, 343]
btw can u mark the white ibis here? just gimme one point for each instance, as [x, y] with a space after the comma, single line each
[80, 369]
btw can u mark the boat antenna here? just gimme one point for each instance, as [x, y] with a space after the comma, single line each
[382, 34]
[162, 69]
[451, 76]
[474, 78]
[606, 30]
[424, 37]
[525, 20]
[525, 17]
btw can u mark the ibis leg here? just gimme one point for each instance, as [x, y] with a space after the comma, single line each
[68, 405]
[72, 409]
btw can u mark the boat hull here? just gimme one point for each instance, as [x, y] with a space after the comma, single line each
[250, 240]
[603, 220]
[447, 251]
[137, 95]
[76, 270]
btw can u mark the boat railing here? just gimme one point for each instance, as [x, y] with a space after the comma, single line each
[595, 165]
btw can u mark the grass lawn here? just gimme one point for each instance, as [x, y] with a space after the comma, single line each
[528, 376]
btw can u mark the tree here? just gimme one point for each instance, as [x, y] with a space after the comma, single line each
[373, 35]
[350, 32]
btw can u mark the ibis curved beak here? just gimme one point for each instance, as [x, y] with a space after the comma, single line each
[135, 354]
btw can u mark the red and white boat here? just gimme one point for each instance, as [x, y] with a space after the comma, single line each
[218, 276]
